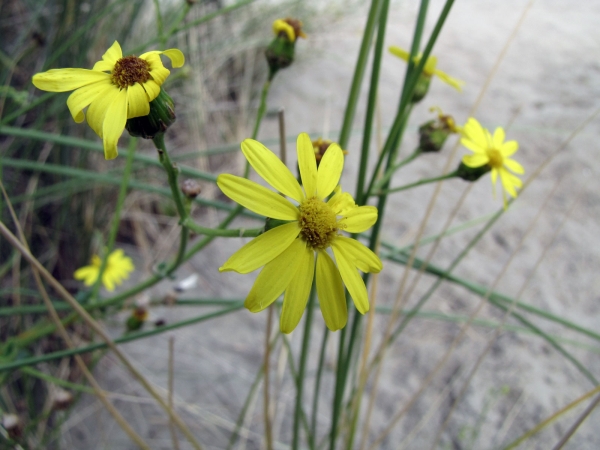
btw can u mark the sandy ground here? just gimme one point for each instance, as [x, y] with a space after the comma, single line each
[546, 86]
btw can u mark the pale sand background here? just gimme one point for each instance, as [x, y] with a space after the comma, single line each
[546, 86]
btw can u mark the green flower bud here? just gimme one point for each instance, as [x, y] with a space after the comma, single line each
[161, 117]
[433, 134]
[471, 173]
[280, 52]
[421, 88]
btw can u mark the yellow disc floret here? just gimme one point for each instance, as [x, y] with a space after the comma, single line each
[496, 159]
[318, 223]
[130, 70]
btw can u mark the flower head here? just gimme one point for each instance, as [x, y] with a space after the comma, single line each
[116, 89]
[118, 268]
[280, 52]
[430, 67]
[290, 252]
[320, 146]
[494, 152]
[291, 28]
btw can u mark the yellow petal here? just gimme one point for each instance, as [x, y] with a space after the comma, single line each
[514, 166]
[110, 58]
[498, 138]
[280, 25]
[62, 80]
[353, 281]
[454, 82]
[152, 89]
[82, 97]
[329, 171]
[176, 57]
[430, 65]
[262, 249]
[359, 219]
[341, 202]
[307, 163]
[158, 72]
[274, 278]
[475, 133]
[476, 160]
[331, 293]
[88, 274]
[509, 148]
[108, 282]
[137, 101]
[256, 197]
[399, 52]
[97, 110]
[271, 169]
[297, 292]
[114, 124]
[473, 146]
[509, 182]
[362, 257]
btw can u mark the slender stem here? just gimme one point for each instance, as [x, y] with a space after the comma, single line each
[241, 232]
[262, 108]
[315, 405]
[302, 368]
[390, 172]
[417, 183]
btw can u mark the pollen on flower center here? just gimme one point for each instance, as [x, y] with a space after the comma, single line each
[495, 157]
[130, 70]
[318, 223]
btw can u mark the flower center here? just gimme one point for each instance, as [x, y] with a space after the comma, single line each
[130, 70]
[318, 223]
[495, 158]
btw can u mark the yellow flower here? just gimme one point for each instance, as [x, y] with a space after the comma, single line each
[291, 27]
[118, 267]
[430, 67]
[493, 151]
[287, 252]
[116, 89]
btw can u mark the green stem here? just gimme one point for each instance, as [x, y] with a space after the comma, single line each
[262, 108]
[315, 403]
[250, 232]
[390, 172]
[302, 369]
[417, 183]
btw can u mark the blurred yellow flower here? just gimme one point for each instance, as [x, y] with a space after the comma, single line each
[430, 67]
[287, 252]
[291, 27]
[118, 268]
[116, 89]
[493, 151]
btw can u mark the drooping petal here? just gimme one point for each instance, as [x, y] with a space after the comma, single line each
[454, 82]
[88, 274]
[514, 166]
[63, 80]
[472, 145]
[476, 160]
[475, 132]
[498, 138]
[97, 110]
[341, 202]
[297, 292]
[509, 148]
[509, 182]
[262, 249]
[114, 124]
[307, 164]
[353, 281]
[274, 278]
[359, 219]
[108, 281]
[361, 256]
[176, 57]
[152, 89]
[281, 26]
[137, 101]
[82, 97]
[256, 198]
[494, 176]
[399, 52]
[331, 293]
[110, 58]
[329, 171]
[272, 169]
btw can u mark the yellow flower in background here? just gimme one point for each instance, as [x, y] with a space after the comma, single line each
[430, 67]
[118, 268]
[493, 151]
[287, 252]
[116, 89]
[291, 27]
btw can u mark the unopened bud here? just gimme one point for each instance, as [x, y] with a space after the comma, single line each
[421, 88]
[433, 134]
[190, 188]
[161, 117]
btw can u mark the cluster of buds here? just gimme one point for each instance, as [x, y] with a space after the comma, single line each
[280, 52]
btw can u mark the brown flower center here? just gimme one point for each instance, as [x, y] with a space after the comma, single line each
[130, 70]
[496, 160]
[318, 223]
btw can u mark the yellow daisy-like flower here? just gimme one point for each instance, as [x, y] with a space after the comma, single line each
[430, 67]
[116, 89]
[287, 252]
[291, 27]
[118, 268]
[492, 150]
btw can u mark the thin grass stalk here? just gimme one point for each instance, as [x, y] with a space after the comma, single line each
[302, 369]
[388, 175]
[417, 183]
[571, 431]
[317, 390]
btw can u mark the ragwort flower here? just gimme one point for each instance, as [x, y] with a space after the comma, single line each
[118, 268]
[494, 152]
[430, 67]
[116, 89]
[287, 252]
[292, 28]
